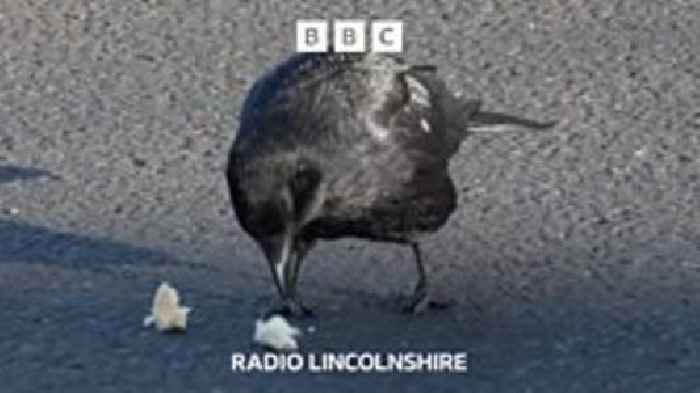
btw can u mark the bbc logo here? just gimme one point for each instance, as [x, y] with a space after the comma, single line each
[349, 35]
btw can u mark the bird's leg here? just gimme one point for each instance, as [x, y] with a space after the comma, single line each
[280, 305]
[421, 299]
[288, 304]
[302, 249]
[291, 276]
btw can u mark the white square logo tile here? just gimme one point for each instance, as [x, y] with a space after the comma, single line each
[349, 35]
[312, 35]
[387, 35]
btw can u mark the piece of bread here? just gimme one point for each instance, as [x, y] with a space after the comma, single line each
[276, 333]
[166, 312]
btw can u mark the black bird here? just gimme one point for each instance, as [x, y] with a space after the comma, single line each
[335, 145]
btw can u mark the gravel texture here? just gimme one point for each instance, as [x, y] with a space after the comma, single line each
[574, 257]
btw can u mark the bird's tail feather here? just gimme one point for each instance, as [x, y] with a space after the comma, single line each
[492, 122]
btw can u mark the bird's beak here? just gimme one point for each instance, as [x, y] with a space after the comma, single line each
[277, 249]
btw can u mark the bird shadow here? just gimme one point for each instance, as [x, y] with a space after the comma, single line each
[36, 244]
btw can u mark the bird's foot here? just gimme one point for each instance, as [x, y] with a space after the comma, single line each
[418, 302]
[421, 301]
[289, 308]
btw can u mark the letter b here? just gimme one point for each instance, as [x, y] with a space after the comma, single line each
[349, 35]
[312, 35]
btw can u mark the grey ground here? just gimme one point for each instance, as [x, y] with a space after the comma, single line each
[574, 257]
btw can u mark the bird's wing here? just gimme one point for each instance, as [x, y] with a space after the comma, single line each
[409, 112]
[400, 141]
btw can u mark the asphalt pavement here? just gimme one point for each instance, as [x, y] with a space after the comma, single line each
[574, 257]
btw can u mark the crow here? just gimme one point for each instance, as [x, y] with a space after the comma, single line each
[335, 145]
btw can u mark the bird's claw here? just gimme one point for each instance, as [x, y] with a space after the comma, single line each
[420, 302]
[290, 308]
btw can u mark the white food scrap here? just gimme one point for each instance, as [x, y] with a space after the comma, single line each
[166, 312]
[276, 333]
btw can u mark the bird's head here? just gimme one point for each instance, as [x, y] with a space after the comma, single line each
[273, 201]
[261, 200]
